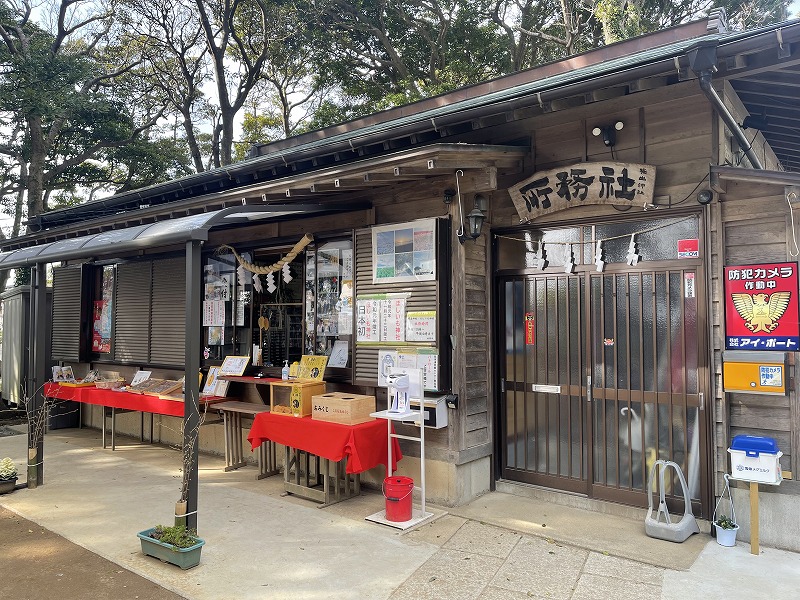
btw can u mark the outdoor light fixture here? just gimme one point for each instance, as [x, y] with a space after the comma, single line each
[475, 221]
[609, 133]
[449, 194]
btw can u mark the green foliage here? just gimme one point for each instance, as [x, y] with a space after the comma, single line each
[22, 276]
[176, 535]
[8, 470]
[725, 522]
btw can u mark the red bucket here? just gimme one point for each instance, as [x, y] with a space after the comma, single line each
[398, 493]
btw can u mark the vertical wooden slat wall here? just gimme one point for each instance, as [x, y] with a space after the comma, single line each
[752, 226]
[67, 307]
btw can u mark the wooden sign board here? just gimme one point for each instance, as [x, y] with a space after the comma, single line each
[626, 184]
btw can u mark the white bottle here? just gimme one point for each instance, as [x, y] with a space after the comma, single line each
[285, 371]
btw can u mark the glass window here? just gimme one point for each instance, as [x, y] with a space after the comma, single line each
[331, 286]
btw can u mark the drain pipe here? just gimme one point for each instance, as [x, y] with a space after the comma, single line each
[703, 61]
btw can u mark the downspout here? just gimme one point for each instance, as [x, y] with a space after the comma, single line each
[703, 61]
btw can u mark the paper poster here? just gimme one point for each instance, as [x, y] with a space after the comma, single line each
[101, 331]
[339, 354]
[347, 265]
[428, 362]
[211, 381]
[368, 318]
[139, 377]
[218, 287]
[216, 336]
[404, 252]
[386, 360]
[213, 313]
[313, 367]
[393, 320]
[421, 326]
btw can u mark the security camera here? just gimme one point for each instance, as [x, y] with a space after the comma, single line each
[705, 196]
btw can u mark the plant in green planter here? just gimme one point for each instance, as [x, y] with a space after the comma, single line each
[174, 544]
[8, 475]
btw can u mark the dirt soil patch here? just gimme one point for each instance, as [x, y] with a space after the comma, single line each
[37, 564]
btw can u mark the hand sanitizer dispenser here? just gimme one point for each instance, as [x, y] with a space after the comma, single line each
[285, 371]
[398, 385]
[403, 385]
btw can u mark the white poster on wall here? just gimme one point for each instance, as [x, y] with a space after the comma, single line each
[386, 360]
[393, 320]
[213, 313]
[421, 326]
[368, 320]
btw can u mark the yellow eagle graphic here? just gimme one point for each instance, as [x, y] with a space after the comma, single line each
[761, 312]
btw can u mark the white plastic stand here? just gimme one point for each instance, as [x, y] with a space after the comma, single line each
[417, 417]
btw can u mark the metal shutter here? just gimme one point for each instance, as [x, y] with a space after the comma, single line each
[67, 303]
[132, 313]
[168, 314]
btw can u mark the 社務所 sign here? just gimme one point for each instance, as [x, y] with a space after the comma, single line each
[584, 183]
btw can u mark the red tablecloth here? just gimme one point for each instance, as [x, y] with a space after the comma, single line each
[364, 445]
[112, 399]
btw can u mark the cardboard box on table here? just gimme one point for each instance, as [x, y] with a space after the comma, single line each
[294, 397]
[340, 407]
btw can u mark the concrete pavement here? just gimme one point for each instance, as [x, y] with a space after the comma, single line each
[262, 544]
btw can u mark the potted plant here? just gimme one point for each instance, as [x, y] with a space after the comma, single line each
[178, 544]
[175, 545]
[726, 530]
[724, 525]
[8, 475]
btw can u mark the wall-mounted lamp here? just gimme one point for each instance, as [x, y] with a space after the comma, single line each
[609, 133]
[449, 194]
[475, 220]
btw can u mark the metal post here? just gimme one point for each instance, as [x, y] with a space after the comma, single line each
[37, 375]
[191, 414]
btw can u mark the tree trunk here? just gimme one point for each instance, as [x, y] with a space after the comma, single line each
[35, 187]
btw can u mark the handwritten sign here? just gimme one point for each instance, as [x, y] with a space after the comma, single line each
[584, 183]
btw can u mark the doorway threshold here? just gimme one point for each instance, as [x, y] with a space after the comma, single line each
[569, 499]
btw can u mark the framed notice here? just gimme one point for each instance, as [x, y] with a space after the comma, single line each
[761, 308]
[233, 365]
[404, 252]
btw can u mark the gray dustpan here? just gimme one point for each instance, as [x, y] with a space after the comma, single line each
[666, 529]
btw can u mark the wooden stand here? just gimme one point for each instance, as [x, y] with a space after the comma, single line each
[754, 518]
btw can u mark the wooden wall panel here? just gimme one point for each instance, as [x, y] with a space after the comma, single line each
[750, 224]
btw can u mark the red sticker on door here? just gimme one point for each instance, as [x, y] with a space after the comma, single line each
[688, 248]
[529, 329]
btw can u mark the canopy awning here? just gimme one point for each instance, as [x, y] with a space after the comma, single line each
[115, 242]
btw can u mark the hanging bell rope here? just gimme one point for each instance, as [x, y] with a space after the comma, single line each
[261, 270]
